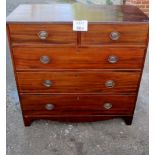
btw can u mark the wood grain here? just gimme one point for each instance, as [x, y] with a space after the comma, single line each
[81, 58]
[28, 34]
[78, 67]
[77, 104]
[56, 13]
[28, 119]
[129, 35]
[62, 34]
[78, 82]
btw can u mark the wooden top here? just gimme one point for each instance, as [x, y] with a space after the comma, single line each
[55, 13]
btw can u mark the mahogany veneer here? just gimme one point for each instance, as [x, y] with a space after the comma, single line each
[78, 58]
[78, 82]
[63, 75]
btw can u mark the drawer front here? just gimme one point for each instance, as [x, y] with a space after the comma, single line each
[77, 104]
[78, 82]
[119, 34]
[35, 34]
[82, 58]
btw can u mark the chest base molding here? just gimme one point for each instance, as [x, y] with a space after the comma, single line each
[76, 119]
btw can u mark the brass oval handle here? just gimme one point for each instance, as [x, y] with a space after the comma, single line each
[110, 84]
[43, 35]
[49, 106]
[112, 59]
[107, 106]
[44, 59]
[114, 35]
[47, 83]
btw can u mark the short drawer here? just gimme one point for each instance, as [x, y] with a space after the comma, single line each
[115, 34]
[42, 34]
[78, 82]
[81, 58]
[77, 104]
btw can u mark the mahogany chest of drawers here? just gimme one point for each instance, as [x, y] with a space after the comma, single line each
[67, 75]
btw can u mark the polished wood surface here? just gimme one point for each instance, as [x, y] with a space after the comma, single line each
[74, 78]
[77, 104]
[129, 35]
[28, 119]
[62, 34]
[57, 34]
[76, 11]
[81, 58]
[78, 82]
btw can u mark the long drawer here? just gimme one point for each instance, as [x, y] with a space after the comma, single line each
[42, 34]
[81, 58]
[77, 104]
[78, 82]
[112, 34]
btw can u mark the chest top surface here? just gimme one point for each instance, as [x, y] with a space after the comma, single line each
[55, 13]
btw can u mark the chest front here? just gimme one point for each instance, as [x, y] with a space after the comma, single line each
[76, 76]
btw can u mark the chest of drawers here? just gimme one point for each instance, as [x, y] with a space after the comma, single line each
[67, 75]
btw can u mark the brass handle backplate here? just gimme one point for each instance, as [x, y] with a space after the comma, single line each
[49, 106]
[112, 59]
[44, 59]
[110, 84]
[107, 106]
[43, 35]
[114, 35]
[47, 83]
